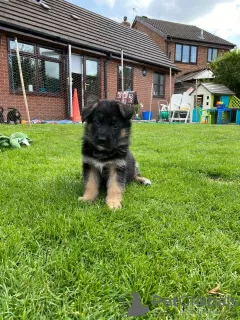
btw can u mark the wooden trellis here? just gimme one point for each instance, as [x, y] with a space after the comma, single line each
[234, 102]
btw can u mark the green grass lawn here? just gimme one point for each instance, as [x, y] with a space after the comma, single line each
[60, 259]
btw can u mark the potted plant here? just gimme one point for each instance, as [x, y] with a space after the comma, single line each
[137, 107]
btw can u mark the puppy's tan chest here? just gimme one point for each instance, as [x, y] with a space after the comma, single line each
[103, 165]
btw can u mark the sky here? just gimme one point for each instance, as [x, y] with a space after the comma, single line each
[220, 17]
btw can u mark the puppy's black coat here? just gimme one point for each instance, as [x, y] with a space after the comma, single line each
[106, 156]
[1, 115]
[14, 115]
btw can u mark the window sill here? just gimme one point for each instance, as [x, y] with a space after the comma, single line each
[35, 93]
[192, 63]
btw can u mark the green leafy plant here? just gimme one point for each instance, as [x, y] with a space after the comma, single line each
[226, 70]
[137, 107]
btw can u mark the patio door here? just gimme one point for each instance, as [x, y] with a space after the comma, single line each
[77, 77]
[91, 79]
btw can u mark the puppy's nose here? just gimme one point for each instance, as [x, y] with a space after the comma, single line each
[102, 139]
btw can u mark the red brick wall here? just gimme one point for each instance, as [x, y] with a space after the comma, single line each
[141, 84]
[202, 51]
[40, 107]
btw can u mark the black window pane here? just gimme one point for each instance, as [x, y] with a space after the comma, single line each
[22, 47]
[158, 88]
[178, 53]
[49, 76]
[161, 90]
[156, 92]
[127, 77]
[214, 54]
[193, 54]
[209, 54]
[120, 70]
[128, 72]
[91, 68]
[156, 78]
[28, 69]
[186, 51]
[161, 80]
[49, 53]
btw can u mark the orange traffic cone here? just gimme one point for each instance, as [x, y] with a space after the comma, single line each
[76, 117]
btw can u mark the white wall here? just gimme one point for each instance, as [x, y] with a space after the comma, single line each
[207, 97]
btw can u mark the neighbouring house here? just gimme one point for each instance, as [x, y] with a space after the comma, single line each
[190, 48]
[63, 47]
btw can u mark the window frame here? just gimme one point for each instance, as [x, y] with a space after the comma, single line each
[212, 54]
[159, 84]
[38, 58]
[189, 55]
[119, 79]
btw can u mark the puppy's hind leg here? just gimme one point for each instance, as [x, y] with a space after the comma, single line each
[139, 179]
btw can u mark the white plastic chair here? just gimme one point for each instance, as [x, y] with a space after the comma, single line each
[184, 110]
[173, 105]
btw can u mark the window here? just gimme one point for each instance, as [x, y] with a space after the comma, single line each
[185, 53]
[41, 68]
[159, 85]
[212, 54]
[127, 76]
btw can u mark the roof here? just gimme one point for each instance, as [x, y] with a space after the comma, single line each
[182, 31]
[72, 24]
[217, 89]
[196, 75]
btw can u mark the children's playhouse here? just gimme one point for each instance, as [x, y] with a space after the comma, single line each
[215, 104]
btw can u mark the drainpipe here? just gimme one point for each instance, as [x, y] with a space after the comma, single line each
[122, 73]
[70, 78]
[105, 78]
[170, 93]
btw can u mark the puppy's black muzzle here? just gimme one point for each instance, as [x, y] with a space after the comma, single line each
[102, 139]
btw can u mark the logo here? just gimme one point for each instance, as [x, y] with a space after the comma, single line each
[137, 309]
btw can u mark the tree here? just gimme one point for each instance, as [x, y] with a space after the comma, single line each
[227, 70]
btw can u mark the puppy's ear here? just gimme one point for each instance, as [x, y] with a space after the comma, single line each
[126, 110]
[88, 109]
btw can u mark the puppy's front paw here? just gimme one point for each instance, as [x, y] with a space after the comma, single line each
[114, 204]
[86, 198]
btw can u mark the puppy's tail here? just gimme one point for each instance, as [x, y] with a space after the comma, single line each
[139, 179]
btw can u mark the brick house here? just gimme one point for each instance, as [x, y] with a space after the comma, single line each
[189, 47]
[59, 41]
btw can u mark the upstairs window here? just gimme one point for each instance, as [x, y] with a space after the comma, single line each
[212, 54]
[185, 53]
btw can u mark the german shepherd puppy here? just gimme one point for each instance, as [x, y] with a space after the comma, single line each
[1, 115]
[14, 115]
[107, 159]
